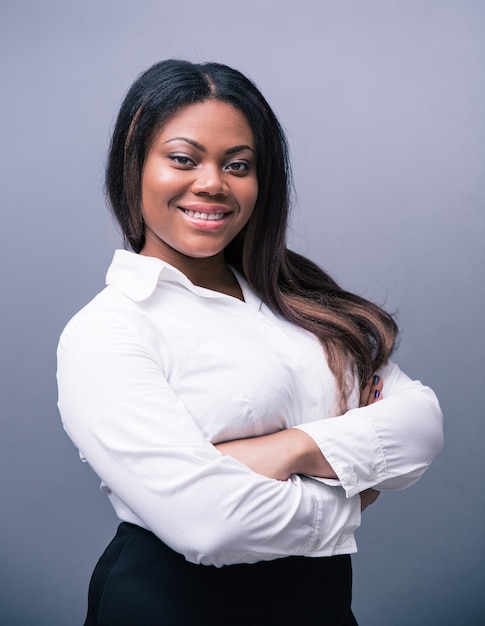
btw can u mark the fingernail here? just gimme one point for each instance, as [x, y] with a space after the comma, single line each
[375, 380]
[377, 393]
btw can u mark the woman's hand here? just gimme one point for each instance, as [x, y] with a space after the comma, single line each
[372, 392]
[368, 497]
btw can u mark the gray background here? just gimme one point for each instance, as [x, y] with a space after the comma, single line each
[383, 102]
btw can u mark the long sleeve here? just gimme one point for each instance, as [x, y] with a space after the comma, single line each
[139, 437]
[387, 445]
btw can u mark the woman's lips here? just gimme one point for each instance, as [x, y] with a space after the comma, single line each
[206, 218]
[211, 217]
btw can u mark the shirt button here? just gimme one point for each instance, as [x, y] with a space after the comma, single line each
[315, 409]
[373, 475]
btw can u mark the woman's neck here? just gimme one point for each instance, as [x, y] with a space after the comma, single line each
[210, 273]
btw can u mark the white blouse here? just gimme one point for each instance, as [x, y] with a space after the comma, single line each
[155, 370]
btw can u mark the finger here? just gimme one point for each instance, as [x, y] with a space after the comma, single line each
[372, 392]
[376, 389]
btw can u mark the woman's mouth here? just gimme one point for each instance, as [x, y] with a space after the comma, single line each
[211, 217]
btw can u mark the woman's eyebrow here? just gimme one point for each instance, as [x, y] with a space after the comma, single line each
[200, 147]
[196, 144]
[240, 149]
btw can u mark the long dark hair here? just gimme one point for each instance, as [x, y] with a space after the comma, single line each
[357, 335]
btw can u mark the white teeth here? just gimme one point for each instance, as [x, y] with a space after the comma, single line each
[204, 216]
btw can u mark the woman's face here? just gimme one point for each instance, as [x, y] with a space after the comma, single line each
[199, 183]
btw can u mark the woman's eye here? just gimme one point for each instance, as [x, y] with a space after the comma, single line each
[238, 166]
[181, 160]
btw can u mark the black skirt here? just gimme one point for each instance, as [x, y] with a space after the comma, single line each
[139, 581]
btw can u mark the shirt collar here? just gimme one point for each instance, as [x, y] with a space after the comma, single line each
[137, 277]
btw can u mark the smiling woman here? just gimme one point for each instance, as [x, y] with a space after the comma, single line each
[239, 407]
[199, 187]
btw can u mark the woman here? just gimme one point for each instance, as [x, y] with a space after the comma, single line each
[203, 384]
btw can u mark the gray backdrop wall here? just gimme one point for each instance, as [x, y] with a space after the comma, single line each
[383, 101]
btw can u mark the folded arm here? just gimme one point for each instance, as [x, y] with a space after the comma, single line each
[386, 445]
[292, 451]
[139, 438]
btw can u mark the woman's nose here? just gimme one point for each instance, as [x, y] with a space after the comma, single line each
[210, 180]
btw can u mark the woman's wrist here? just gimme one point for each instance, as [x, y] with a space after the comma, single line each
[307, 458]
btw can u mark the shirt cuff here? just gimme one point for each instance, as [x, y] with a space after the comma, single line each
[354, 440]
[337, 519]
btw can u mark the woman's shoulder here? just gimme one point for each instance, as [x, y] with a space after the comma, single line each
[130, 280]
[106, 315]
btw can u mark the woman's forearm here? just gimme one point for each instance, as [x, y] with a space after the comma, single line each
[280, 455]
[292, 451]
